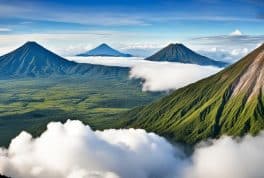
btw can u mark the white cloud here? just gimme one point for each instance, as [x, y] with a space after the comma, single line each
[156, 76]
[98, 15]
[5, 29]
[162, 76]
[72, 150]
[222, 54]
[109, 61]
[230, 158]
[144, 49]
[229, 48]
[237, 52]
[64, 43]
[236, 33]
[74, 42]
[49, 12]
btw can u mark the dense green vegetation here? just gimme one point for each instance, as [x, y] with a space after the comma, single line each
[28, 104]
[38, 86]
[46, 87]
[210, 107]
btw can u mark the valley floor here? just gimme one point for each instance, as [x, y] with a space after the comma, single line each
[29, 104]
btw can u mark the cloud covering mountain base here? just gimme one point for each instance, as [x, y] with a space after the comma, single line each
[163, 76]
[156, 76]
[73, 150]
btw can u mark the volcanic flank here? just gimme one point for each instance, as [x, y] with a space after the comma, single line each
[252, 79]
[230, 102]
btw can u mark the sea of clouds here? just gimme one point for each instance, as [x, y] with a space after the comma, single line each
[73, 150]
[156, 76]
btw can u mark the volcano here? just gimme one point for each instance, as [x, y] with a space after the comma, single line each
[180, 53]
[104, 50]
[230, 102]
[33, 60]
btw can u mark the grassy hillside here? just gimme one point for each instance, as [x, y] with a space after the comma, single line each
[28, 104]
[209, 108]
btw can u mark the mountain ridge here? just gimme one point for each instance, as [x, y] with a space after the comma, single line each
[230, 102]
[33, 60]
[179, 53]
[104, 50]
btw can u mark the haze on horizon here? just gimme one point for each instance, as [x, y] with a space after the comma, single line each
[138, 27]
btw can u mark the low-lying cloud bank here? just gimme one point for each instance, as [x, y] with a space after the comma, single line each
[229, 56]
[164, 76]
[109, 61]
[156, 76]
[72, 150]
[230, 158]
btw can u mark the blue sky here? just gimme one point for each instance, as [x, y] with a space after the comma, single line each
[127, 23]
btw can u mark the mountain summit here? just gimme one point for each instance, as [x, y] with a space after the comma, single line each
[230, 102]
[104, 50]
[33, 60]
[180, 53]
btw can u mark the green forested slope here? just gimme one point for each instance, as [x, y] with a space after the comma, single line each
[230, 102]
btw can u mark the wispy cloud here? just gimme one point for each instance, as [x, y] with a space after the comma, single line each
[73, 42]
[220, 47]
[230, 39]
[222, 54]
[197, 17]
[123, 15]
[228, 47]
[5, 29]
[66, 43]
[32, 11]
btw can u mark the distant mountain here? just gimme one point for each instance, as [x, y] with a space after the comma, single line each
[33, 60]
[180, 53]
[230, 102]
[104, 50]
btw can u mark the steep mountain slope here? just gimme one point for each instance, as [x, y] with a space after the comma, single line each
[230, 102]
[33, 60]
[182, 54]
[104, 50]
